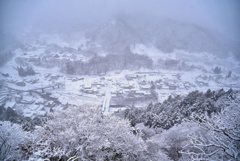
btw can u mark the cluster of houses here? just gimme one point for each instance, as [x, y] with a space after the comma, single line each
[29, 104]
[30, 100]
[139, 84]
[118, 87]
[23, 103]
[96, 87]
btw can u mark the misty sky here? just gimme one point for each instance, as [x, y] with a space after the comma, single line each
[221, 15]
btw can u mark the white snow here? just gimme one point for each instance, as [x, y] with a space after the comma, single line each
[76, 90]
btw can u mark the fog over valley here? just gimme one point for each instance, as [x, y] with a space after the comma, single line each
[119, 80]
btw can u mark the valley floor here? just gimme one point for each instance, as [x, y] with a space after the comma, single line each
[51, 90]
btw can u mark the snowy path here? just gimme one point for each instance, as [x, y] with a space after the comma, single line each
[107, 99]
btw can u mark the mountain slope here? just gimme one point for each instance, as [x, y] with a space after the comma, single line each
[170, 35]
[167, 35]
[114, 36]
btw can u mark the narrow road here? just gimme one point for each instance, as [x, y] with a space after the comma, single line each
[107, 99]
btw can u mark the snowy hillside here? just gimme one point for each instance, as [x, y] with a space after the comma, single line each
[166, 35]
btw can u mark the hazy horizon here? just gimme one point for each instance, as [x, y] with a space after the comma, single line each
[219, 15]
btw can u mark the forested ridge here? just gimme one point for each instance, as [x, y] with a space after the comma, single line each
[175, 110]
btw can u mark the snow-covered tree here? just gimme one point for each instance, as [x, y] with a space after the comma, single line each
[175, 110]
[222, 140]
[85, 133]
[13, 141]
[171, 141]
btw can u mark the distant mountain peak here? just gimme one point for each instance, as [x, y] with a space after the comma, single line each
[113, 22]
[116, 22]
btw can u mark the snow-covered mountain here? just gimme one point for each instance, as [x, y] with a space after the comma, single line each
[166, 35]
[114, 36]
[170, 35]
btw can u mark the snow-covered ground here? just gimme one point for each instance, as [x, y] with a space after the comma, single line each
[49, 89]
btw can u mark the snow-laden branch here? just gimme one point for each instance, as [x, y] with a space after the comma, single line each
[13, 141]
[222, 136]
